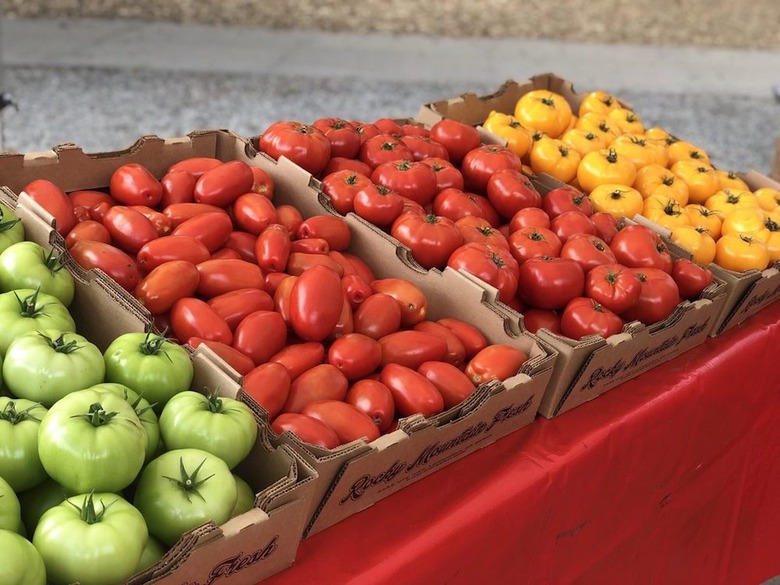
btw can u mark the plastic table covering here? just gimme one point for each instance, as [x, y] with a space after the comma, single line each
[673, 477]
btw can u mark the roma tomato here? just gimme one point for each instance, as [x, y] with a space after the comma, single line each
[89, 198]
[509, 191]
[300, 262]
[263, 183]
[453, 385]
[342, 186]
[222, 185]
[196, 165]
[430, 238]
[87, 230]
[236, 304]
[166, 284]
[412, 392]
[470, 336]
[483, 162]
[161, 222]
[322, 382]
[218, 276]
[374, 399]
[192, 317]
[532, 242]
[237, 360]
[497, 361]
[310, 246]
[495, 266]
[269, 385]
[347, 421]
[411, 179]
[242, 243]
[456, 351]
[134, 184]
[316, 301]
[637, 246]
[305, 145]
[377, 316]
[130, 230]
[356, 355]
[272, 248]
[584, 316]
[53, 199]
[550, 283]
[588, 250]
[355, 289]
[691, 278]
[613, 286]
[309, 430]
[212, 229]
[177, 187]
[330, 228]
[114, 262]
[412, 301]
[457, 137]
[411, 347]
[260, 335]
[299, 357]
[253, 213]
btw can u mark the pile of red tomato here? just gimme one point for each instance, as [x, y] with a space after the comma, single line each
[331, 352]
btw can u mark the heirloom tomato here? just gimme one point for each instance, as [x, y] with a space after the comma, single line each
[494, 265]
[637, 246]
[134, 184]
[383, 148]
[607, 225]
[598, 124]
[510, 190]
[770, 235]
[572, 223]
[431, 238]
[665, 211]
[305, 145]
[588, 250]
[510, 130]
[613, 286]
[55, 202]
[739, 252]
[725, 202]
[544, 110]
[605, 166]
[695, 240]
[583, 140]
[374, 399]
[584, 316]
[536, 319]
[23, 563]
[342, 135]
[377, 204]
[549, 283]
[598, 101]
[532, 242]
[309, 430]
[628, 121]
[683, 150]
[423, 147]
[447, 174]
[767, 197]
[20, 465]
[496, 361]
[731, 180]
[457, 137]
[656, 179]
[619, 200]
[640, 150]
[347, 421]
[480, 163]
[658, 298]
[552, 157]
[24, 310]
[478, 230]
[11, 228]
[691, 278]
[701, 179]
[563, 199]
[10, 510]
[30, 265]
[337, 163]
[408, 178]
[412, 392]
[455, 204]
[529, 216]
[341, 188]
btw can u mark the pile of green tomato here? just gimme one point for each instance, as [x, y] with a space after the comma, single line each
[106, 458]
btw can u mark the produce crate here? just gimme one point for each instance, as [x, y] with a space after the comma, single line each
[495, 410]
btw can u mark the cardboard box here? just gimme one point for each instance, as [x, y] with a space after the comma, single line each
[249, 547]
[775, 170]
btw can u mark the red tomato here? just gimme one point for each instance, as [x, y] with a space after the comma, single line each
[550, 283]
[457, 137]
[341, 188]
[322, 382]
[423, 147]
[345, 323]
[120, 267]
[383, 148]
[289, 217]
[260, 335]
[509, 190]
[414, 180]
[263, 183]
[269, 385]
[535, 319]
[305, 145]
[168, 248]
[374, 399]
[365, 130]
[483, 162]
[377, 316]
[691, 278]
[356, 290]
[571, 223]
[532, 242]
[177, 187]
[218, 276]
[355, 355]
[328, 227]
[196, 165]
[412, 301]
[498, 361]
[226, 254]
[53, 199]
[300, 262]
[614, 286]
[456, 351]
[453, 385]
[472, 338]
[166, 284]
[412, 392]
[455, 204]
[272, 248]
[584, 316]
[236, 304]
[243, 243]
[637, 246]
[430, 238]
[340, 258]
[658, 298]
[589, 251]
[134, 184]
[495, 266]
[161, 222]
[299, 357]
[192, 317]
[88, 230]
[410, 348]
[307, 429]
[253, 213]
[89, 198]
[309, 246]
[222, 185]
[316, 301]
[414, 129]
[360, 267]
[240, 362]
[447, 174]
[181, 212]
[130, 230]
[529, 217]
[377, 204]
[607, 225]
[273, 280]
[337, 163]
[212, 229]
[478, 230]
[563, 199]
[389, 126]
[348, 422]
[344, 139]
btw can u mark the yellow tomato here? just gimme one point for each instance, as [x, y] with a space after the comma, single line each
[599, 124]
[684, 150]
[551, 156]
[618, 200]
[605, 166]
[739, 252]
[544, 110]
[639, 150]
[599, 102]
[701, 217]
[770, 235]
[506, 127]
[628, 122]
[696, 241]
[701, 179]
[744, 220]
[659, 135]
[583, 141]
[665, 211]
[654, 179]
[731, 180]
[768, 198]
[726, 201]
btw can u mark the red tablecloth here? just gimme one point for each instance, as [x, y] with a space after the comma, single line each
[673, 477]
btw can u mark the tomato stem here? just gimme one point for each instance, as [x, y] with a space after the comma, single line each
[189, 482]
[7, 225]
[97, 416]
[87, 511]
[152, 345]
[28, 306]
[13, 416]
[59, 345]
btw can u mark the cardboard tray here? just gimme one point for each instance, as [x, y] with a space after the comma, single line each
[247, 548]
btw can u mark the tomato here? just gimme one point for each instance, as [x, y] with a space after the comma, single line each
[30, 265]
[451, 382]
[134, 184]
[161, 222]
[701, 179]
[600, 125]
[375, 400]
[457, 137]
[430, 238]
[234, 358]
[341, 188]
[222, 185]
[550, 283]
[412, 347]
[244, 244]
[478, 230]
[691, 278]
[423, 147]
[177, 187]
[20, 465]
[282, 298]
[495, 266]
[412, 392]
[497, 361]
[355, 355]
[377, 316]
[322, 382]
[234, 305]
[536, 319]
[544, 110]
[605, 166]
[24, 564]
[411, 179]
[447, 174]
[410, 299]
[193, 317]
[23, 310]
[91, 539]
[54, 201]
[683, 150]
[658, 298]
[305, 145]
[260, 335]
[509, 191]
[328, 227]
[220, 276]
[588, 250]
[300, 262]
[212, 229]
[743, 220]
[216, 424]
[316, 300]
[347, 421]
[389, 126]
[637, 246]
[383, 148]
[130, 230]
[359, 266]
[253, 213]
[89, 198]
[626, 120]
[607, 225]
[11, 228]
[337, 163]
[563, 199]
[309, 246]
[613, 286]
[640, 150]
[739, 252]
[552, 157]
[196, 165]
[456, 351]
[309, 430]
[471, 337]
[532, 242]
[585, 316]
[483, 162]
[696, 241]
[356, 290]
[299, 357]
[530, 216]
[701, 217]
[768, 198]
[656, 179]
[269, 385]
[183, 489]
[180, 212]
[510, 130]
[572, 223]
[378, 205]
[342, 135]
[583, 140]
[166, 284]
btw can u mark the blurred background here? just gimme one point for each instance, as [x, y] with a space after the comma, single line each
[101, 73]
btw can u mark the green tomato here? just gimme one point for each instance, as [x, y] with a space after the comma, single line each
[222, 426]
[155, 367]
[11, 228]
[30, 265]
[10, 509]
[46, 365]
[37, 500]
[153, 552]
[92, 539]
[143, 410]
[22, 563]
[245, 500]
[20, 465]
[92, 440]
[183, 489]
[25, 309]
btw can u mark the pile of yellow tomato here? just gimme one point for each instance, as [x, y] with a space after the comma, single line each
[604, 150]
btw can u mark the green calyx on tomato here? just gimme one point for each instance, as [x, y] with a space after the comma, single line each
[29, 265]
[11, 228]
[188, 482]
[19, 462]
